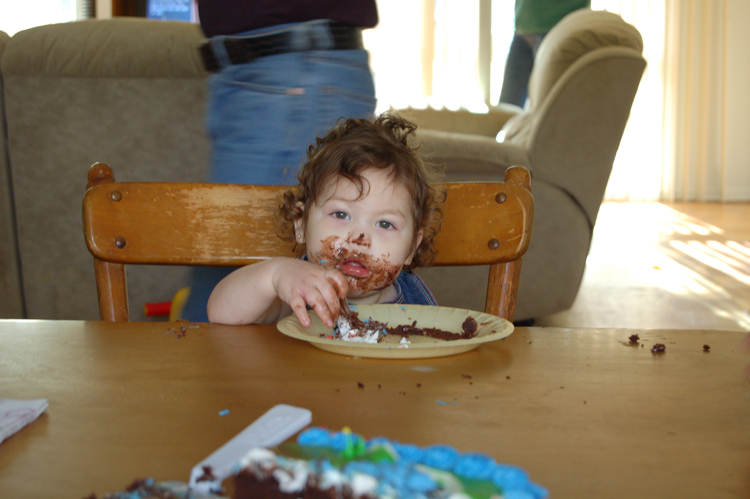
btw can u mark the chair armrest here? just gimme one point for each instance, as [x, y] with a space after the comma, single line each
[465, 157]
[462, 121]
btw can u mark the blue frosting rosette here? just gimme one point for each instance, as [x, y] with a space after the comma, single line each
[408, 472]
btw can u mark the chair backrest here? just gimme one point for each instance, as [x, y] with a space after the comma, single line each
[585, 78]
[232, 225]
[576, 35]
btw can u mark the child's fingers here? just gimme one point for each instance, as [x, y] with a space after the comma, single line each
[340, 291]
[339, 282]
[331, 297]
[299, 307]
[322, 309]
[322, 298]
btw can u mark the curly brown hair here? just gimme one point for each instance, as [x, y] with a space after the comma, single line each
[353, 146]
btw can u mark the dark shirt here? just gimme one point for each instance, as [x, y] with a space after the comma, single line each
[229, 17]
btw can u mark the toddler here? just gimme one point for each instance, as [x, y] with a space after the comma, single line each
[365, 213]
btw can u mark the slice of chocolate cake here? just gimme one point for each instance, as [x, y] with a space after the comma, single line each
[148, 488]
[349, 327]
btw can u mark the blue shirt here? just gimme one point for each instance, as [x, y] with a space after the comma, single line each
[412, 290]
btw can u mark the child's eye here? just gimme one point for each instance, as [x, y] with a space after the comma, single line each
[341, 215]
[384, 224]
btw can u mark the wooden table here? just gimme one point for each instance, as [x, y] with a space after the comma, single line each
[586, 414]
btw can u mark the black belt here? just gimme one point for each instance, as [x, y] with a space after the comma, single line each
[241, 50]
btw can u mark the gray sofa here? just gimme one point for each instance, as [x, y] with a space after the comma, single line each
[131, 93]
[125, 91]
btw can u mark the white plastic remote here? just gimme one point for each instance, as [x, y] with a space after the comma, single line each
[271, 429]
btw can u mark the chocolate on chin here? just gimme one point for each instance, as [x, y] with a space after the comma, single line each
[381, 273]
[342, 465]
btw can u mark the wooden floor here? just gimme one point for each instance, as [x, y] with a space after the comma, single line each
[670, 265]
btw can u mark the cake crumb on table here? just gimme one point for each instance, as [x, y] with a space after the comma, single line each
[659, 348]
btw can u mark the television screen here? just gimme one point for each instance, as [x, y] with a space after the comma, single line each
[172, 10]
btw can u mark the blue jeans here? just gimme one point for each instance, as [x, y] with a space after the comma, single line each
[263, 115]
[518, 68]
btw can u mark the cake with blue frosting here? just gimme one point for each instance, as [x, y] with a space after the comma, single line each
[342, 465]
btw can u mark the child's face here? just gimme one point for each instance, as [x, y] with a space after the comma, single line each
[367, 239]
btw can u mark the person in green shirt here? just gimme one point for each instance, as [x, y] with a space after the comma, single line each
[533, 20]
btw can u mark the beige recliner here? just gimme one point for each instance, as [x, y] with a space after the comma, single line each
[584, 80]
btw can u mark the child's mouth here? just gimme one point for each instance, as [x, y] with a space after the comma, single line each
[353, 269]
[364, 273]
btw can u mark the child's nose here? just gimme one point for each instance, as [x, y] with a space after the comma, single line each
[359, 239]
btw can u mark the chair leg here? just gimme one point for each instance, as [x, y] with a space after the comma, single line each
[111, 290]
[502, 289]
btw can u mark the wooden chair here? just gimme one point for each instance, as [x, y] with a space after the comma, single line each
[232, 225]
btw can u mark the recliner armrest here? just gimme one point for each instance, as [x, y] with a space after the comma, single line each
[464, 157]
[461, 121]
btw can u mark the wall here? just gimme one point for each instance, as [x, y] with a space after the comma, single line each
[737, 103]
[103, 9]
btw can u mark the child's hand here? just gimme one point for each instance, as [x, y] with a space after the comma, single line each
[300, 283]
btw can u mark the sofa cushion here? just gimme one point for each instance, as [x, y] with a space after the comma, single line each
[126, 92]
[112, 48]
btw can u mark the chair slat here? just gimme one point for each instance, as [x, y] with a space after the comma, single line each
[484, 223]
[183, 223]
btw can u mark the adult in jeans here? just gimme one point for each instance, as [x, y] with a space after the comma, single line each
[533, 20]
[284, 71]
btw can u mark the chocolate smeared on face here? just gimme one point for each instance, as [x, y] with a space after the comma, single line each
[360, 241]
[381, 272]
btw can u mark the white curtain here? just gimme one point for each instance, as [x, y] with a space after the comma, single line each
[637, 172]
[673, 146]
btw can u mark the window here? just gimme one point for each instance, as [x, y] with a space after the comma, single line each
[442, 53]
[18, 16]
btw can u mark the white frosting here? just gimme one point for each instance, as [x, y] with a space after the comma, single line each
[363, 485]
[292, 480]
[258, 458]
[332, 478]
[348, 333]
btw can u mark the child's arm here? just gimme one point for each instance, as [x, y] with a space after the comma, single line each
[264, 292]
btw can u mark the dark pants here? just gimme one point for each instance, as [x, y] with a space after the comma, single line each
[518, 68]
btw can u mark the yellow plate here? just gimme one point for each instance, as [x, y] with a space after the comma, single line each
[489, 328]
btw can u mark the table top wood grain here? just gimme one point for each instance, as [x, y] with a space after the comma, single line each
[586, 413]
